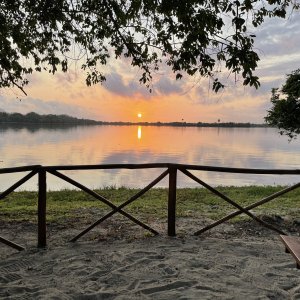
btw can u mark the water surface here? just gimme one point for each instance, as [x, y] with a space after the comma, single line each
[224, 147]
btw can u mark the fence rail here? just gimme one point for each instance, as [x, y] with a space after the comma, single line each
[171, 170]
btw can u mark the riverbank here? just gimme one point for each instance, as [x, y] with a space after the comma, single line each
[33, 118]
[120, 260]
[191, 202]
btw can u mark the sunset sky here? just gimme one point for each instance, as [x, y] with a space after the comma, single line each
[122, 98]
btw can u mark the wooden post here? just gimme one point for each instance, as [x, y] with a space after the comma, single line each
[42, 209]
[172, 201]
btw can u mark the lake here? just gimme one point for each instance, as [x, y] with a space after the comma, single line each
[74, 145]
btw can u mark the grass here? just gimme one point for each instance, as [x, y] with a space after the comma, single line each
[191, 202]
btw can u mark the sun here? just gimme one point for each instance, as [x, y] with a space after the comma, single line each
[139, 115]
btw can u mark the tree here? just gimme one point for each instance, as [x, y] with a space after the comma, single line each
[285, 111]
[190, 36]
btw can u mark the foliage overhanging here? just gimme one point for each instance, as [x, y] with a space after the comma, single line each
[189, 36]
[285, 111]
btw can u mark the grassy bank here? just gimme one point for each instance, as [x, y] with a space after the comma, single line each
[68, 204]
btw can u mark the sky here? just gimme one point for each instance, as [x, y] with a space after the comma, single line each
[122, 97]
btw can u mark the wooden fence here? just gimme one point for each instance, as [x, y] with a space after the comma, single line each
[170, 170]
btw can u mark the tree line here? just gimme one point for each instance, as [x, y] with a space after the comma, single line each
[188, 37]
[187, 124]
[33, 117]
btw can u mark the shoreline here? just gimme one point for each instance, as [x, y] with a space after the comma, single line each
[33, 118]
[154, 124]
[190, 202]
[119, 261]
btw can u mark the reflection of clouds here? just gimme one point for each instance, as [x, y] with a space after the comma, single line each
[248, 148]
[60, 147]
[142, 157]
[227, 147]
[35, 135]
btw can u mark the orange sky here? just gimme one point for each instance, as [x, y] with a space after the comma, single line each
[121, 100]
[121, 97]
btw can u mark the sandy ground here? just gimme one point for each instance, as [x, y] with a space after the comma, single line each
[118, 260]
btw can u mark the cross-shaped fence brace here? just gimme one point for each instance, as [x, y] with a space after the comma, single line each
[172, 188]
[241, 209]
[110, 204]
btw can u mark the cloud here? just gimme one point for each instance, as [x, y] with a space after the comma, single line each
[277, 42]
[276, 35]
[39, 106]
[116, 84]
[247, 113]
[67, 79]
[165, 86]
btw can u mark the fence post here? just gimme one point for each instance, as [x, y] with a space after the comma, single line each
[42, 209]
[172, 201]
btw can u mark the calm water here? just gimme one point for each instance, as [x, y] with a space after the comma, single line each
[227, 147]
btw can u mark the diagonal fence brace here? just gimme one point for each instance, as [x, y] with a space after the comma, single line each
[119, 208]
[107, 202]
[3, 195]
[17, 184]
[251, 206]
[11, 244]
[228, 200]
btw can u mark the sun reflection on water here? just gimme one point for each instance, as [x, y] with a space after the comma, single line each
[139, 132]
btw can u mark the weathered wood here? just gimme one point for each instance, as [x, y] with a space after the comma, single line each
[19, 169]
[119, 209]
[107, 202]
[7, 192]
[172, 170]
[42, 196]
[256, 204]
[17, 184]
[11, 244]
[292, 244]
[172, 202]
[176, 166]
[216, 192]
[238, 170]
[108, 166]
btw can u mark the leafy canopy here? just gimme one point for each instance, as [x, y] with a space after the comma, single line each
[189, 36]
[285, 111]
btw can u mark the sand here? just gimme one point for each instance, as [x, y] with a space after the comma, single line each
[120, 261]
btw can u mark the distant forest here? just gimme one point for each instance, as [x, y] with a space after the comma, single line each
[34, 118]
